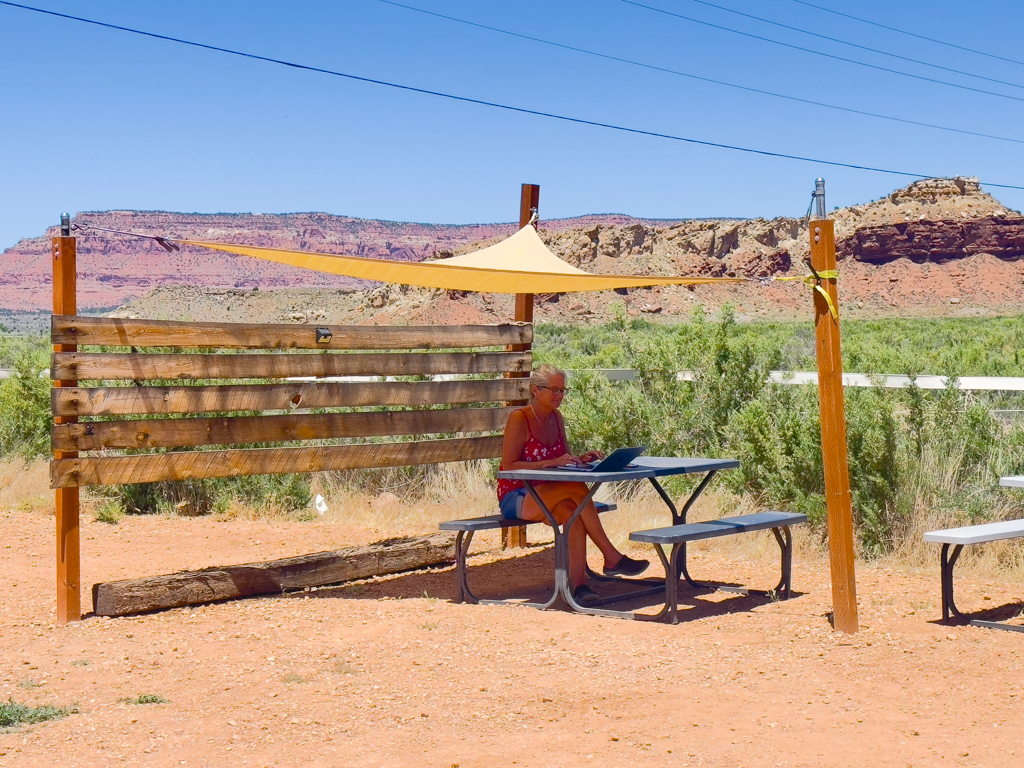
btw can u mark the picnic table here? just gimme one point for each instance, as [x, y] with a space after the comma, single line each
[958, 538]
[643, 468]
[676, 535]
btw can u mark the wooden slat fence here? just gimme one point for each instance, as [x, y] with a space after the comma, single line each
[136, 424]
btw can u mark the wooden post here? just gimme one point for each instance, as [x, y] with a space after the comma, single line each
[529, 203]
[69, 591]
[833, 431]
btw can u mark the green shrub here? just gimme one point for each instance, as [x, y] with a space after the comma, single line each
[25, 400]
[109, 511]
[906, 447]
[145, 698]
[13, 714]
[192, 498]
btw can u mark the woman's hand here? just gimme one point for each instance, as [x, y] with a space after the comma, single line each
[590, 456]
[563, 460]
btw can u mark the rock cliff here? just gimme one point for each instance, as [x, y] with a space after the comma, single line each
[936, 246]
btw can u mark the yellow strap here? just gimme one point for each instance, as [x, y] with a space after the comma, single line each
[825, 274]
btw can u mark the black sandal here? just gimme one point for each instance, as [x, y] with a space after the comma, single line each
[627, 566]
[584, 595]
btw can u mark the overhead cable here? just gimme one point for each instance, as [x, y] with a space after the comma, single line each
[856, 45]
[909, 34]
[822, 53]
[481, 102]
[679, 73]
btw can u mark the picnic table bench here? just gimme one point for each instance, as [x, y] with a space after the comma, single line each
[677, 536]
[466, 528]
[958, 538]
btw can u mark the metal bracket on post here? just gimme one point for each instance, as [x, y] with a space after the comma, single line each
[819, 199]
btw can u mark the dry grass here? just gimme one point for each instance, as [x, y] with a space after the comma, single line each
[402, 502]
[997, 557]
[445, 492]
[25, 486]
[909, 550]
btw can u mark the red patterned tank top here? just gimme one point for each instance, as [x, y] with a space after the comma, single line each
[533, 450]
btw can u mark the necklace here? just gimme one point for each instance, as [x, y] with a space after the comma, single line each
[543, 425]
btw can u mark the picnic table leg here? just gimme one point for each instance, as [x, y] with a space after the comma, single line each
[947, 562]
[462, 542]
[949, 607]
[672, 583]
[785, 540]
[562, 587]
[679, 518]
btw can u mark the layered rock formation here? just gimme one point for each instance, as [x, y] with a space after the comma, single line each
[933, 245]
[936, 241]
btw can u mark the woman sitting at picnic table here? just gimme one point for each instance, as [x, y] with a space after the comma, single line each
[535, 439]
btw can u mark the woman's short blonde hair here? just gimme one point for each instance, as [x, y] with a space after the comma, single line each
[542, 375]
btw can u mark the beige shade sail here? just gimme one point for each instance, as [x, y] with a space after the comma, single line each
[519, 264]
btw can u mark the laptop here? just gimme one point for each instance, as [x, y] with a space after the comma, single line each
[615, 461]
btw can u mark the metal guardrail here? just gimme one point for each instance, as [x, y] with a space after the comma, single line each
[890, 381]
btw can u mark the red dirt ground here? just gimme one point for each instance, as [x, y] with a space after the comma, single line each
[389, 673]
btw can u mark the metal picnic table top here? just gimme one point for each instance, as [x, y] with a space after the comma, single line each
[643, 467]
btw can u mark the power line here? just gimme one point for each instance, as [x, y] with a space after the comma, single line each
[481, 102]
[856, 45]
[666, 70]
[821, 53]
[909, 34]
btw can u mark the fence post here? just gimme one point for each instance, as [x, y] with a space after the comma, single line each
[529, 204]
[69, 590]
[833, 422]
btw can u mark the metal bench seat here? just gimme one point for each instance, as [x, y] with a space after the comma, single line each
[678, 535]
[466, 529]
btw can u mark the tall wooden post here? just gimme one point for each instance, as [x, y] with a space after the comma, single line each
[529, 203]
[833, 428]
[69, 591]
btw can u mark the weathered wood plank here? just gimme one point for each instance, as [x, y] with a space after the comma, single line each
[111, 331]
[192, 465]
[117, 598]
[120, 401]
[235, 430]
[141, 367]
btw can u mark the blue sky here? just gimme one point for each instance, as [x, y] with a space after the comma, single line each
[94, 119]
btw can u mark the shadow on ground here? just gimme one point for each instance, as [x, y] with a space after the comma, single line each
[527, 578]
[1011, 613]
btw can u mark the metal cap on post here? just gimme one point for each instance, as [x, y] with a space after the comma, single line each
[65, 224]
[819, 199]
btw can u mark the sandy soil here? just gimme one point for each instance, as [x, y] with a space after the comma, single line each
[390, 673]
